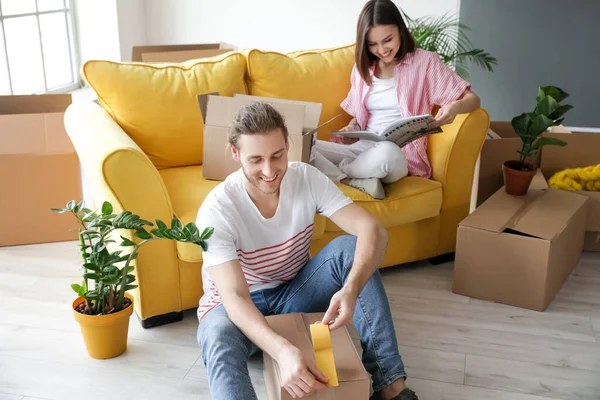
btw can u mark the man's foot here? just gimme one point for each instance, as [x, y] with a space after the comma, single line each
[371, 186]
[406, 394]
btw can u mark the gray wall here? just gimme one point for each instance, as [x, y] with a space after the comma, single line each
[537, 43]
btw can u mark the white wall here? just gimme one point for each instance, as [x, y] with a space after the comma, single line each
[97, 30]
[278, 25]
[131, 17]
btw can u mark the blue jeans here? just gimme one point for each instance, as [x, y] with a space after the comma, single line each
[225, 349]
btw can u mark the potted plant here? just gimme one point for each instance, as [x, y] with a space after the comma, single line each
[529, 126]
[103, 306]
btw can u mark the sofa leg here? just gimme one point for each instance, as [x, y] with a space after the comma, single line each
[444, 258]
[158, 320]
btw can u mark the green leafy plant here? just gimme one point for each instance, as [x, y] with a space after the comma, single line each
[446, 36]
[101, 267]
[530, 125]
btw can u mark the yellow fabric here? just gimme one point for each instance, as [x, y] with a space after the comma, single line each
[321, 340]
[453, 156]
[187, 190]
[321, 76]
[156, 104]
[190, 282]
[118, 171]
[585, 179]
[410, 199]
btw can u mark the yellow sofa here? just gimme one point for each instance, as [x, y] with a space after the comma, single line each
[141, 149]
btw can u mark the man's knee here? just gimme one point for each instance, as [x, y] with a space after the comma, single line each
[344, 247]
[220, 338]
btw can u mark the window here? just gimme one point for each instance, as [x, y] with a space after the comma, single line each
[37, 47]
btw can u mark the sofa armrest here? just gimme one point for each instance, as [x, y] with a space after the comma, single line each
[117, 170]
[453, 155]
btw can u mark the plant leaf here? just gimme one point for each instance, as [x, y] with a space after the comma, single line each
[71, 205]
[92, 267]
[107, 208]
[546, 106]
[59, 210]
[539, 125]
[126, 243]
[560, 111]
[142, 234]
[89, 275]
[519, 123]
[556, 93]
[547, 141]
[176, 224]
[130, 287]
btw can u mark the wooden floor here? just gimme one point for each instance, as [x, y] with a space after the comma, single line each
[455, 348]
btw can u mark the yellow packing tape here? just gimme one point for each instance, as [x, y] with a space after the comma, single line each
[321, 339]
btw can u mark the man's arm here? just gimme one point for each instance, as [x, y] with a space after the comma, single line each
[371, 245]
[299, 375]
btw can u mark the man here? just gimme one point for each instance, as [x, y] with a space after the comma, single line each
[258, 264]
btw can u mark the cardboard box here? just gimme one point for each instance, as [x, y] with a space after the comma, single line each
[39, 169]
[178, 53]
[301, 119]
[354, 382]
[582, 150]
[518, 250]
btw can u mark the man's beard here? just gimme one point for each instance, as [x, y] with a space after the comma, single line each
[256, 181]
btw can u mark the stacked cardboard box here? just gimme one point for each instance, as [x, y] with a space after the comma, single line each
[39, 169]
[178, 53]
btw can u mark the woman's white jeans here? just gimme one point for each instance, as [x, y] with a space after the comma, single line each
[363, 159]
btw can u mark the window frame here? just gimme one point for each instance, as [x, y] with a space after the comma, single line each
[71, 37]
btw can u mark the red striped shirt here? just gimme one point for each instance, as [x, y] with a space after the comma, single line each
[422, 82]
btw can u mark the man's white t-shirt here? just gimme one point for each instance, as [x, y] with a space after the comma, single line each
[270, 251]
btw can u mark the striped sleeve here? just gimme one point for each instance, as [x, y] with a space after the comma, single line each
[443, 85]
[351, 103]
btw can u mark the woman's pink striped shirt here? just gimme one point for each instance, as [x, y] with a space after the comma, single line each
[422, 81]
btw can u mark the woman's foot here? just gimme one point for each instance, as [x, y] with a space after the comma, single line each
[371, 186]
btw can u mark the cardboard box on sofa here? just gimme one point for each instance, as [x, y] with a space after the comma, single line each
[301, 119]
[39, 169]
[518, 250]
[178, 53]
[354, 382]
[582, 150]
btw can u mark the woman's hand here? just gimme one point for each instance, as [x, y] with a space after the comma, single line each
[352, 126]
[445, 115]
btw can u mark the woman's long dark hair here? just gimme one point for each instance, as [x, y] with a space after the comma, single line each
[379, 12]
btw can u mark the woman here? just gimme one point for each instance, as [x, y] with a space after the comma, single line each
[391, 79]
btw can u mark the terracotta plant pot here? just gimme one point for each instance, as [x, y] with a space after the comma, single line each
[517, 176]
[105, 336]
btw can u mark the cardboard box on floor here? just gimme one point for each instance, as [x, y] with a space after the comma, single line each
[39, 169]
[354, 382]
[582, 150]
[301, 119]
[178, 53]
[518, 250]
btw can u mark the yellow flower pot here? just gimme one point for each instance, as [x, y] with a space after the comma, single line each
[105, 336]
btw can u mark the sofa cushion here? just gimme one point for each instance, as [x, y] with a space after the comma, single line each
[187, 190]
[156, 104]
[408, 200]
[321, 76]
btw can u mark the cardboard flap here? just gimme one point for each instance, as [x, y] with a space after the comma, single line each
[312, 111]
[292, 327]
[541, 214]
[293, 114]
[347, 363]
[549, 214]
[34, 104]
[503, 129]
[582, 150]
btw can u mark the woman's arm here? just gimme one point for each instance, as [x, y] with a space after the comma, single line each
[468, 102]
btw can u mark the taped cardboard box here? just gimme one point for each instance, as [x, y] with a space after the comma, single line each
[353, 381]
[178, 53]
[301, 119]
[582, 150]
[518, 250]
[39, 169]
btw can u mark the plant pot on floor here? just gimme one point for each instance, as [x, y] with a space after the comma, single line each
[105, 336]
[518, 176]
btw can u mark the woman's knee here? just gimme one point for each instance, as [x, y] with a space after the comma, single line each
[393, 157]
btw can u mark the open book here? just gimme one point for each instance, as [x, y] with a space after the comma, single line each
[401, 132]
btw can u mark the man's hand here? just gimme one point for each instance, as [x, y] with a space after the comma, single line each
[343, 303]
[445, 115]
[299, 375]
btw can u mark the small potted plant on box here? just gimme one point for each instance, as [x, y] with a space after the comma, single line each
[103, 307]
[529, 126]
